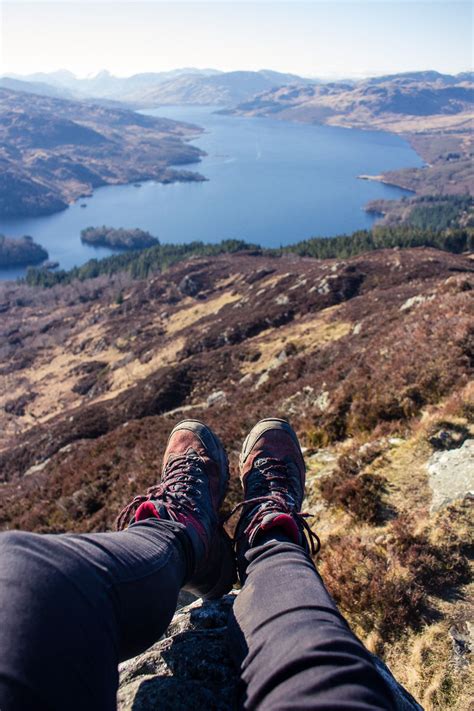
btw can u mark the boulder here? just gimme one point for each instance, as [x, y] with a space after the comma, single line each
[191, 668]
[451, 475]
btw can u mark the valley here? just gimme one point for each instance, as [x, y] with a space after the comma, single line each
[364, 341]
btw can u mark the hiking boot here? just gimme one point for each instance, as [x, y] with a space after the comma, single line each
[272, 472]
[193, 484]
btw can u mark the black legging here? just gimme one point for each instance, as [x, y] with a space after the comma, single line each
[73, 606]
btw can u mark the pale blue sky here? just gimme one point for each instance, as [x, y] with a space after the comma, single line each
[327, 39]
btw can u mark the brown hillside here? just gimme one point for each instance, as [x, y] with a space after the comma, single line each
[369, 357]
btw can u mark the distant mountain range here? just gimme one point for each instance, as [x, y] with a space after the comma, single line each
[230, 89]
[179, 86]
[367, 103]
[42, 88]
[220, 89]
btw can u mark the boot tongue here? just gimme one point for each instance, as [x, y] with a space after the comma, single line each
[283, 521]
[151, 509]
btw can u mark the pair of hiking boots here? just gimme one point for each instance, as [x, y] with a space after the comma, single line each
[193, 485]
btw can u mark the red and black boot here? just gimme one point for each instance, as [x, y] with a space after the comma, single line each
[272, 472]
[193, 484]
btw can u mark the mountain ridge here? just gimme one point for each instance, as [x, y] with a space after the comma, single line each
[105, 85]
[435, 116]
[215, 87]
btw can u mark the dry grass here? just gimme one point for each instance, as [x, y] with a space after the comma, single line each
[410, 124]
[403, 585]
[423, 663]
[404, 468]
[192, 312]
[393, 580]
[304, 335]
[364, 401]
[52, 379]
[136, 370]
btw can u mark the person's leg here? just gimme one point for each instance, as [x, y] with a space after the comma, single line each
[295, 649]
[73, 606]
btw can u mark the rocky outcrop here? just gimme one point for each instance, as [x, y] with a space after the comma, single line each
[451, 475]
[191, 668]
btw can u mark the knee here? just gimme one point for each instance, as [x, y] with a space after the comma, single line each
[15, 544]
[10, 540]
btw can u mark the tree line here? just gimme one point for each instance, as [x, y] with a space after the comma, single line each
[141, 264]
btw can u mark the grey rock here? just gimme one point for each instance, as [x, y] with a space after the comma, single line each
[264, 377]
[451, 475]
[462, 638]
[216, 397]
[191, 668]
[245, 379]
[189, 286]
[414, 301]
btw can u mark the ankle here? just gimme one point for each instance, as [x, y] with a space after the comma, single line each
[276, 534]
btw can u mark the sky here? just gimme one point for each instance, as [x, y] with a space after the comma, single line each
[324, 39]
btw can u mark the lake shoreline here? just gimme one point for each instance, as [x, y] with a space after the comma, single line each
[380, 179]
[268, 182]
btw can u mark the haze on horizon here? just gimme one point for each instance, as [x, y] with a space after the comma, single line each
[325, 39]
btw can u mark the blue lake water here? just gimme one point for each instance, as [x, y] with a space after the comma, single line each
[269, 182]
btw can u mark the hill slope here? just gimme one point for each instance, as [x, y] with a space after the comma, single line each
[370, 357]
[392, 103]
[178, 86]
[53, 151]
[35, 87]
